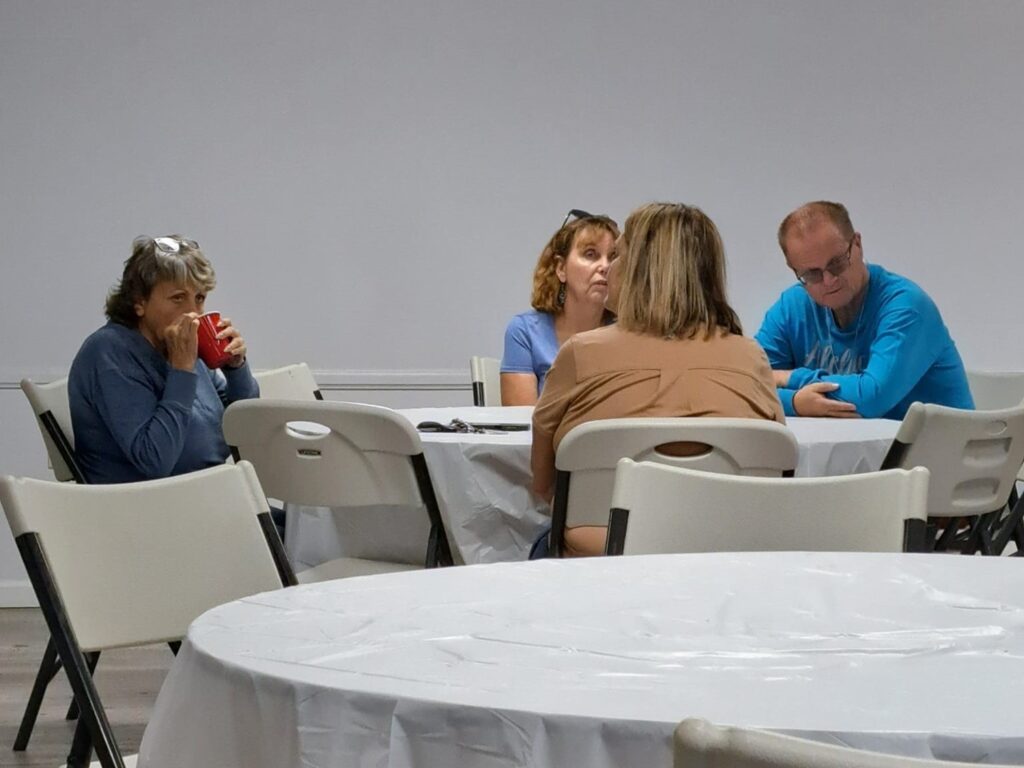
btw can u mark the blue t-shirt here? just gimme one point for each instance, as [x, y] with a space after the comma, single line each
[897, 352]
[530, 345]
[135, 417]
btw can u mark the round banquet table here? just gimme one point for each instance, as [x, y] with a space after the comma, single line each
[482, 482]
[594, 662]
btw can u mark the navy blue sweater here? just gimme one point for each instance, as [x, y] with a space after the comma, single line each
[137, 418]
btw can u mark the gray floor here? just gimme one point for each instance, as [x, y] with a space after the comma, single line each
[127, 679]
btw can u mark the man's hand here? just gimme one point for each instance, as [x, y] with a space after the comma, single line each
[236, 348]
[781, 378]
[812, 401]
[182, 340]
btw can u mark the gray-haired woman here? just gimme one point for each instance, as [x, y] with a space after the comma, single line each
[143, 405]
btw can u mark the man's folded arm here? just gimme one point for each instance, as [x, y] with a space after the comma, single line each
[898, 359]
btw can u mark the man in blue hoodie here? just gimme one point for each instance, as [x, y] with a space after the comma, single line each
[853, 339]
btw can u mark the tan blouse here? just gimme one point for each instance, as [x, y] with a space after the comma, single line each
[609, 373]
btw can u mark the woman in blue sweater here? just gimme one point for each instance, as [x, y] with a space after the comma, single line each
[143, 405]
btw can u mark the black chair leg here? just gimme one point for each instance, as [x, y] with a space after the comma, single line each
[949, 533]
[81, 747]
[979, 538]
[91, 660]
[48, 669]
[1009, 527]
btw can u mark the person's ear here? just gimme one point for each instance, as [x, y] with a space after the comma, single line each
[560, 268]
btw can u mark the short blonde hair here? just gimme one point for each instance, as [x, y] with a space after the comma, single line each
[545, 279]
[672, 267]
[149, 265]
[811, 213]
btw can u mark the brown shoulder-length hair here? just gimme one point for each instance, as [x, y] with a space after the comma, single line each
[672, 268]
[149, 265]
[545, 279]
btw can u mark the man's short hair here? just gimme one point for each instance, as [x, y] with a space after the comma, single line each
[811, 213]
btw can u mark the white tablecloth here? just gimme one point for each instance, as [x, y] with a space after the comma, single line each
[594, 662]
[482, 484]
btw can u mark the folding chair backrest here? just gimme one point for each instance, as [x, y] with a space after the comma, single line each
[485, 373]
[668, 509]
[136, 563]
[700, 744]
[994, 390]
[588, 455]
[974, 456]
[53, 415]
[292, 382]
[327, 454]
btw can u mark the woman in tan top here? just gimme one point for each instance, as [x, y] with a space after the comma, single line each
[677, 349]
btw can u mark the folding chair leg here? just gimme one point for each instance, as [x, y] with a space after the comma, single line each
[979, 537]
[1012, 527]
[48, 669]
[93, 729]
[81, 747]
[92, 659]
[948, 534]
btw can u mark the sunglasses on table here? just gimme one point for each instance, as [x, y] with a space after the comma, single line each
[835, 267]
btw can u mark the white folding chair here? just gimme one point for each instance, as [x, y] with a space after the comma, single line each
[658, 509]
[995, 390]
[974, 458]
[485, 373]
[331, 454]
[586, 459]
[50, 404]
[700, 744]
[134, 564]
[291, 382]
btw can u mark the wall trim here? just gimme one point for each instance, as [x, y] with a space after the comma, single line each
[447, 379]
[17, 594]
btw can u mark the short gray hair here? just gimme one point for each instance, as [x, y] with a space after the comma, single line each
[149, 265]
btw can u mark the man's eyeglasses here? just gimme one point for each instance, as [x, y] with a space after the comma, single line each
[170, 245]
[575, 214]
[835, 267]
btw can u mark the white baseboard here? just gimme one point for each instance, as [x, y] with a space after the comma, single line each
[329, 378]
[17, 594]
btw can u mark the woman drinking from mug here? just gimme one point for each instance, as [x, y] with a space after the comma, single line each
[570, 286]
[676, 350]
[143, 404]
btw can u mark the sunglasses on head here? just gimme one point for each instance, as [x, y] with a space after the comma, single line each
[574, 215]
[171, 245]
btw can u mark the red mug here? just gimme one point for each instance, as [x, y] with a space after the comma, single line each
[211, 349]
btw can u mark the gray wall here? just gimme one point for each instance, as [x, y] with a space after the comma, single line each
[373, 181]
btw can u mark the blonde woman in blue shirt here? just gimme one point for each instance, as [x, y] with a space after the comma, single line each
[570, 286]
